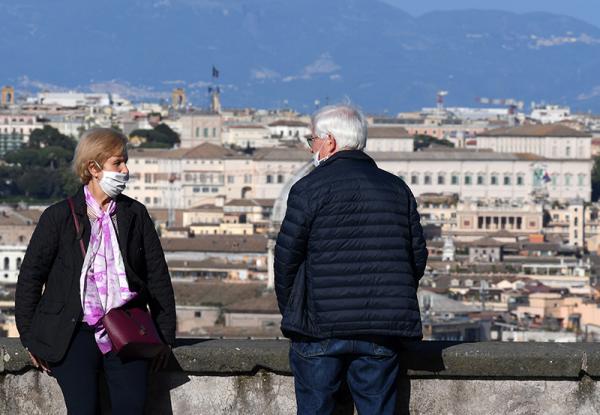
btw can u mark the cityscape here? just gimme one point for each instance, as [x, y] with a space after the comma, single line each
[507, 197]
[243, 124]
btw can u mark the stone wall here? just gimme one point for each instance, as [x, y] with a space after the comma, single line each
[253, 377]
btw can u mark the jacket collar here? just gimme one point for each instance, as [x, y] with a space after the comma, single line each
[350, 155]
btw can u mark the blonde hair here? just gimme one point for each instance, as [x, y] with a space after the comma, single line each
[97, 144]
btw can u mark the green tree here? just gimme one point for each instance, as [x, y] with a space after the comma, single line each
[424, 141]
[50, 136]
[162, 136]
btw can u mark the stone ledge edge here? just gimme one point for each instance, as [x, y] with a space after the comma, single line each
[427, 359]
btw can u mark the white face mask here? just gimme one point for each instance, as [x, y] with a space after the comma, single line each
[316, 161]
[113, 183]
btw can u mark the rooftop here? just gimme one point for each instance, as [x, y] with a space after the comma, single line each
[543, 130]
[217, 243]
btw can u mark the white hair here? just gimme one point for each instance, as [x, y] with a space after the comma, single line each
[344, 122]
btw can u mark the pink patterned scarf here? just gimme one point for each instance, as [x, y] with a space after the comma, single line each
[103, 282]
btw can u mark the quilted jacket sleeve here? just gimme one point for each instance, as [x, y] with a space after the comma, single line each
[162, 299]
[34, 271]
[291, 246]
[419, 249]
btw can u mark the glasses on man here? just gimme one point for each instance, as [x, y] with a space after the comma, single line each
[310, 138]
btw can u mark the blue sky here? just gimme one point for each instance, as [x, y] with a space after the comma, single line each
[588, 10]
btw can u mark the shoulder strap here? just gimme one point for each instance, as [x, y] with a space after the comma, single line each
[77, 227]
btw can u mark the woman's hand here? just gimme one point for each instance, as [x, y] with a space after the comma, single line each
[39, 363]
[161, 360]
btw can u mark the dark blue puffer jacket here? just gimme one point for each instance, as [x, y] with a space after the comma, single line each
[350, 253]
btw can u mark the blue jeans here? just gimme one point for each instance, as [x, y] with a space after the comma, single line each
[319, 367]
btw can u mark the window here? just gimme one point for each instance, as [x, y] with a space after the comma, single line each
[506, 180]
[581, 180]
[147, 200]
[568, 151]
[147, 177]
[280, 178]
[455, 178]
[427, 179]
[441, 179]
[269, 178]
[414, 179]
[196, 190]
[468, 179]
[198, 314]
[568, 179]
[480, 179]
[494, 179]
[197, 131]
[205, 190]
[214, 132]
[247, 178]
[205, 132]
[520, 180]
[214, 189]
[6, 263]
[230, 179]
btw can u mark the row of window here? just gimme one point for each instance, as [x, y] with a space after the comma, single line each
[7, 263]
[205, 132]
[271, 178]
[205, 189]
[468, 179]
[482, 179]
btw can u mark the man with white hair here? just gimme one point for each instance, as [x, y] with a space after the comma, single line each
[348, 261]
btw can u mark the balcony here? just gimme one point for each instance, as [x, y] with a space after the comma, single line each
[253, 377]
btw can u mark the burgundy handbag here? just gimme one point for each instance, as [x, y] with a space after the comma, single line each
[131, 330]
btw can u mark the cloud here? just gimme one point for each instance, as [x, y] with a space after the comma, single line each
[199, 84]
[323, 65]
[26, 82]
[174, 82]
[264, 73]
[584, 38]
[595, 92]
[126, 90]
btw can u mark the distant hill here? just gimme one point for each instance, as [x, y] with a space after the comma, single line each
[276, 52]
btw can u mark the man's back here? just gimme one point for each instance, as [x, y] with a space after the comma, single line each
[350, 253]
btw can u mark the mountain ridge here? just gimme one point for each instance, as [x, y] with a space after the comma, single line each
[272, 53]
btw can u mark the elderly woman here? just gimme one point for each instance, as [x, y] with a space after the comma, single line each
[63, 295]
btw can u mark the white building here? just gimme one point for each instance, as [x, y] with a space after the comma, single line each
[19, 124]
[248, 135]
[552, 141]
[389, 139]
[11, 257]
[203, 173]
[488, 175]
[289, 129]
[549, 114]
[80, 99]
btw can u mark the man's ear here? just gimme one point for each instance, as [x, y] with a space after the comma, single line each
[332, 144]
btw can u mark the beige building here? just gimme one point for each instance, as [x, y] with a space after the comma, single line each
[382, 139]
[198, 127]
[551, 141]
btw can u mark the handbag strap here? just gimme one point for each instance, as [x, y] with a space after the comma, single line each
[77, 227]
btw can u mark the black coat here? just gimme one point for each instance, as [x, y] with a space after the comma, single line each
[350, 253]
[53, 262]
